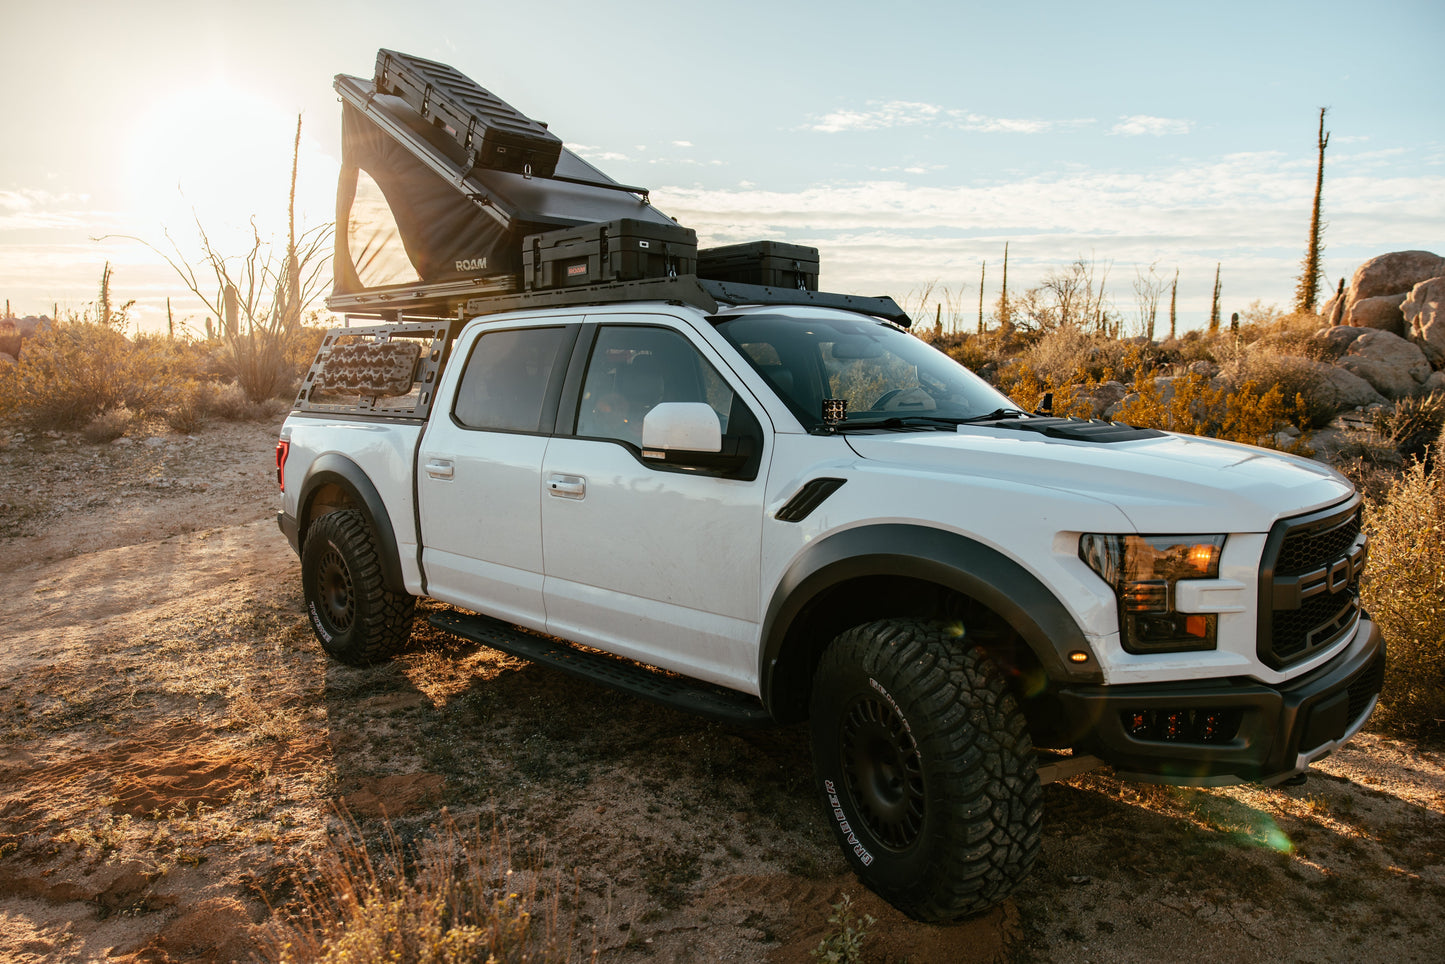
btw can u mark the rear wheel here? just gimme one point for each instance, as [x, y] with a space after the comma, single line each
[925, 768]
[356, 618]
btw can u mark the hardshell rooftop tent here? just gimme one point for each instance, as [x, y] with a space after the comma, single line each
[421, 222]
[441, 182]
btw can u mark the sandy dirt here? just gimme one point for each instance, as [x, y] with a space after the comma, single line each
[174, 749]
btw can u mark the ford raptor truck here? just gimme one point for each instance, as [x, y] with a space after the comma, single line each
[800, 511]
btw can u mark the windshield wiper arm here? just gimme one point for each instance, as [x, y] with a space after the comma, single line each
[995, 415]
[912, 421]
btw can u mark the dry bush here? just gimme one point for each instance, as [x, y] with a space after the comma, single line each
[1199, 407]
[1404, 590]
[78, 369]
[1413, 425]
[230, 403]
[1296, 377]
[190, 407]
[108, 426]
[1072, 354]
[456, 897]
[984, 353]
[1026, 387]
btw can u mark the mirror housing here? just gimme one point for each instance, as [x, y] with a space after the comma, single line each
[681, 427]
[688, 435]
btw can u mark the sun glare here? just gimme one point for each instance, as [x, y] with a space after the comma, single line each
[225, 154]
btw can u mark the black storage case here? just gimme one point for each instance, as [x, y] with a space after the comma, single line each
[493, 133]
[770, 263]
[621, 250]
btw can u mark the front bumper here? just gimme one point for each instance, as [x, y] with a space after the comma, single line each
[1280, 729]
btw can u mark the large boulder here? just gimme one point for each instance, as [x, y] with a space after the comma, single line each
[1106, 396]
[1424, 313]
[1344, 390]
[1393, 366]
[1393, 273]
[1382, 312]
[1334, 341]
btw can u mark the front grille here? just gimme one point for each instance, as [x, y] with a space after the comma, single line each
[1307, 549]
[1309, 584]
[1320, 621]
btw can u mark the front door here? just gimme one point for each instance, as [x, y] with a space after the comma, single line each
[656, 564]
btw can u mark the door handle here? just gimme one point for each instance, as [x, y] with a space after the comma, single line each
[439, 468]
[567, 486]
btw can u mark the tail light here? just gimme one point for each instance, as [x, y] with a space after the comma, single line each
[283, 447]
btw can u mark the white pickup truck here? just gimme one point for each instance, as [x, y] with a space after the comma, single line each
[800, 511]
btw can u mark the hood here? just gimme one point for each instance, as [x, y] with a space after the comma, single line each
[1168, 483]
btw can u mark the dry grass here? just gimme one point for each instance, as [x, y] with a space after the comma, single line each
[1405, 592]
[455, 897]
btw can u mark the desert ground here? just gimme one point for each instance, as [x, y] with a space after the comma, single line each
[175, 752]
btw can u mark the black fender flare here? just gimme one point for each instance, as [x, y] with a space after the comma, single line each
[943, 558]
[340, 471]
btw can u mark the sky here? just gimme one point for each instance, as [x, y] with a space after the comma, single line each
[908, 141]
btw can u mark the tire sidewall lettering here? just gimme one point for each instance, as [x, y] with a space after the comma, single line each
[317, 624]
[844, 826]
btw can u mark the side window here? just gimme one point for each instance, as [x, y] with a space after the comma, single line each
[634, 368]
[505, 381]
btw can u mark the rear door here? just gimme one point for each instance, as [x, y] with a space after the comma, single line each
[479, 472]
[655, 563]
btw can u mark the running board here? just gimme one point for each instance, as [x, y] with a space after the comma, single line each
[679, 693]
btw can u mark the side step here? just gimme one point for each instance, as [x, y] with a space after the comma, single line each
[690, 696]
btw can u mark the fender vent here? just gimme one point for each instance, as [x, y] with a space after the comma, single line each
[808, 498]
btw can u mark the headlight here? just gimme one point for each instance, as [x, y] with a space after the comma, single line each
[1142, 570]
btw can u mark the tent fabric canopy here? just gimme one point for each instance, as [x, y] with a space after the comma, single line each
[401, 222]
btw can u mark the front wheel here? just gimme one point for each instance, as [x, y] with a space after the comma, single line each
[356, 618]
[925, 768]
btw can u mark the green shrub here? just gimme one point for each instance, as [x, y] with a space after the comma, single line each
[1404, 590]
[844, 942]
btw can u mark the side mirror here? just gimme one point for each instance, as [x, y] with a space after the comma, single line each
[681, 427]
[688, 435]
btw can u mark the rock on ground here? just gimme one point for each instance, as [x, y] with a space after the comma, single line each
[1393, 366]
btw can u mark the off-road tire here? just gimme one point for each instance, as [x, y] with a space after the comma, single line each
[925, 767]
[357, 619]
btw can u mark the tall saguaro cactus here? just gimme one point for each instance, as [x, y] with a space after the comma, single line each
[1308, 288]
[1214, 307]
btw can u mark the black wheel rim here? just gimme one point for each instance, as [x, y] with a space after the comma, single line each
[333, 585]
[884, 772]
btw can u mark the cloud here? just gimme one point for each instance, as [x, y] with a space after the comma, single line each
[31, 210]
[904, 113]
[1136, 125]
[594, 153]
[682, 143]
[894, 113]
[1249, 211]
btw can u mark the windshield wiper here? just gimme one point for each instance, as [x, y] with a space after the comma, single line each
[941, 422]
[995, 415]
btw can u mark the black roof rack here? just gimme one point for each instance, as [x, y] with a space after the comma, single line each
[689, 290]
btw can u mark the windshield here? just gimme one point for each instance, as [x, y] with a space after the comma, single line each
[884, 375]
